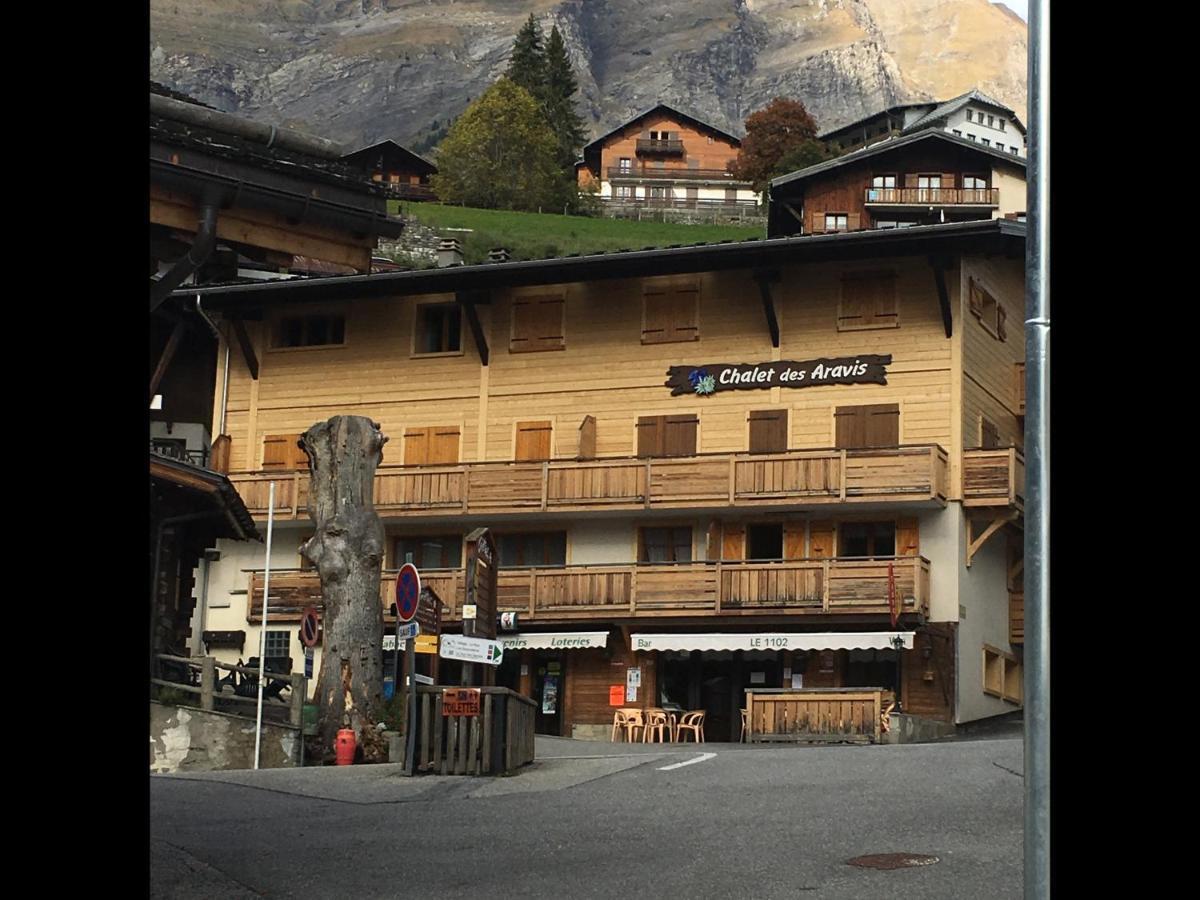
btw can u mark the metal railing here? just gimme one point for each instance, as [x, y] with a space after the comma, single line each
[172, 450]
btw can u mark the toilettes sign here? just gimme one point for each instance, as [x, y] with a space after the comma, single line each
[712, 377]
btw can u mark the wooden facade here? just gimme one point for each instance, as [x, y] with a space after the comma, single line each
[819, 508]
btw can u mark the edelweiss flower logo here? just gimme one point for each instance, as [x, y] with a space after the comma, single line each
[702, 382]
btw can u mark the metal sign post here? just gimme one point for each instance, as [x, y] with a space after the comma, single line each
[408, 593]
[262, 634]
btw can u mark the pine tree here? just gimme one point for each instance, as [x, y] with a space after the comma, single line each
[527, 64]
[558, 100]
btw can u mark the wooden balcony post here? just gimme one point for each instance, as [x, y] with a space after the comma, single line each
[825, 569]
[1012, 476]
[466, 486]
[295, 494]
[633, 589]
[648, 488]
[545, 483]
[720, 585]
[532, 593]
[842, 477]
[208, 670]
[732, 479]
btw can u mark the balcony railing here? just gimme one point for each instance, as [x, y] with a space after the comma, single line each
[646, 590]
[644, 145]
[410, 191]
[1016, 617]
[910, 474]
[171, 450]
[1019, 375]
[994, 478]
[616, 173]
[932, 196]
[676, 203]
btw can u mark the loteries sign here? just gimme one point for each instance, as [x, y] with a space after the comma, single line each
[712, 377]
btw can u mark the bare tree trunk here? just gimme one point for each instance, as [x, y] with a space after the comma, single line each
[347, 550]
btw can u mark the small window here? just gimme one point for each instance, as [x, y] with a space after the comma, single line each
[999, 146]
[991, 314]
[624, 192]
[541, 548]
[959, 133]
[1001, 124]
[985, 142]
[883, 181]
[658, 193]
[970, 115]
[279, 644]
[989, 435]
[971, 137]
[869, 539]
[309, 331]
[670, 312]
[537, 324]
[836, 221]
[991, 121]
[974, 183]
[868, 301]
[626, 164]
[665, 545]
[430, 552]
[439, 328]
[1014, 151]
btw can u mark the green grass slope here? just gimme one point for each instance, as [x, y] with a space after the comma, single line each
[538, 235]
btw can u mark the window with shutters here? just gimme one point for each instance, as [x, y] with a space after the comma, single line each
[314, 330]
[435, 445]
[764, 540]
[539, 548]
[836, 221]
[664, 545]
[537, 324]
[987, 309]
[871, 426]
[670, 312]
[533, 441]
[871, 539]
[442, 551]
[868, 300]
[768, 431]
[282, 452]
[667, 435]
[989, 435]
[438, 329]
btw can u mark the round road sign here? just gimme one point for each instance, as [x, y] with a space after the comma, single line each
[309, 627]
[408, 592]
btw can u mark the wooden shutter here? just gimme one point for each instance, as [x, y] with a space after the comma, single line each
[650, 431]
[443, 445]
[868, 300]
[851, 430]
[1001, 329]
[852, 222]
[685, 308]
[712, 541]
[416, 446]
[670, 313]
[910, 181]
[537, 324]
[733, 541]
[768, 431]
[947, 180]
[883, 425]
[793, 540]
[280, 451]
[587, 438]
[989, 435]
[656, 323]
[854, 311]
[821, 536]
[884, 311]
[679, 435]
[818, 220]
[908, 537]
[533, 440]
[975, 297]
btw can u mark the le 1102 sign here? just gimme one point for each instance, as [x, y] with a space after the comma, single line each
[460, 702]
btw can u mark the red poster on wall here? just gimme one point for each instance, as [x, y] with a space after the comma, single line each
[616, 695]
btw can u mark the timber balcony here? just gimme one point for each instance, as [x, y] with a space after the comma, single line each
[645, 146]
[639, 173]
[911, 474]
[932, 196]
[994, 478]
[842, 586]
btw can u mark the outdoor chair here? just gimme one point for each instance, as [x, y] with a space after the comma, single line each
[248, 686]
[657, 723]
[634, 722]
[693, 722]
[745, 717]
[620, 724]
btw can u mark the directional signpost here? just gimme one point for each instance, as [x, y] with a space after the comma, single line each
[472, 650]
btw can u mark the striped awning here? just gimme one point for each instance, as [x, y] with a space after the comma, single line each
[797, 640]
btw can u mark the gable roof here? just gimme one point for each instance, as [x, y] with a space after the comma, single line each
[891, 109]
[387, 144]
[887, 146]
[662, 107]
[951, 106]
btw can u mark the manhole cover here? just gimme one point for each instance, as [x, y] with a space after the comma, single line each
[892, 860]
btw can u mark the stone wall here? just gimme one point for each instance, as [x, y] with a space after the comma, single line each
[187, 739]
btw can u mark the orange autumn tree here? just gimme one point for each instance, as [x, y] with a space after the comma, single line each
[783, 129]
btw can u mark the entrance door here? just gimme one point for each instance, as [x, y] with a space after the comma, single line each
[549, 694]
[716, 695]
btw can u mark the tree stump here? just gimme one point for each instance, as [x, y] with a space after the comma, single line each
[347, 551]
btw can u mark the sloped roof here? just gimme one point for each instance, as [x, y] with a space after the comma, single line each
[386, 144]
[889, 145]
[950, 106]
[662, 107]
[891, 109]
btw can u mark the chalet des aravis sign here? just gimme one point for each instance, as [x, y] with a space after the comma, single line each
[713, 377]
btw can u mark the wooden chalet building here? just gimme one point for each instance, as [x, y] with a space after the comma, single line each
[792, 461]
[403, 173]
[925, 178]
[665, 159]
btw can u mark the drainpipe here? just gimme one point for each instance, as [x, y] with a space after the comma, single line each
[201, 249]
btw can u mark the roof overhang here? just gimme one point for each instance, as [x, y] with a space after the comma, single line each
[775, 640]
[210, 489]
[662, 107]
[988, 235]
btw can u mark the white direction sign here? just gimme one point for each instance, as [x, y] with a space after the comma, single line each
[407, 630]
[469, 649]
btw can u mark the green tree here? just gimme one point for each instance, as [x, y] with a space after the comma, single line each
[558, 100]
[781, 127]
[501, 154]
[527, 64]
[802, 156]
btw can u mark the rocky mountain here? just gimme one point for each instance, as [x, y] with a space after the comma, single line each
[359, 71]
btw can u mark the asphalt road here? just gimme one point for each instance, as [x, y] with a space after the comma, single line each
[603, 820]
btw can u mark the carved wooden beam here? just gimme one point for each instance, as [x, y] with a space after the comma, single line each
[940, 264]
[468, 300]
[167, 354]
[765, 277]
[239, 328]
[976, 542]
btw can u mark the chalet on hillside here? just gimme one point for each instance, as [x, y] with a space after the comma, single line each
[405, 174]
[928, 177]
[665, 159]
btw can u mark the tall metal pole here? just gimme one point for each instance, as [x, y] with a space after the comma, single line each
[1037, 463]
[262, 634]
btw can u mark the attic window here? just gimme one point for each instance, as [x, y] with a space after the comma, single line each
[309, 331]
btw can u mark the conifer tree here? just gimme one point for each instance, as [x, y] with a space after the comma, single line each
[527, 65]
[558, 99]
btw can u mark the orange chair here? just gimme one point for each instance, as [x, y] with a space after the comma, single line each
[693, 722]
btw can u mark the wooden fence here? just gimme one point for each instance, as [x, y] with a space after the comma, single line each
[206, 689]
[816, 714]
[497, 741]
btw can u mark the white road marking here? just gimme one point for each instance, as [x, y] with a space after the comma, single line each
[687, 762]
